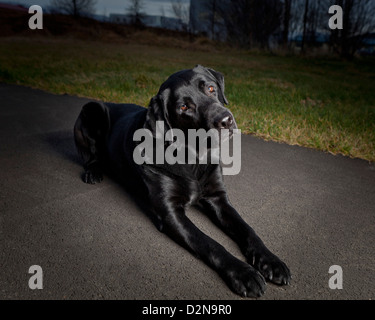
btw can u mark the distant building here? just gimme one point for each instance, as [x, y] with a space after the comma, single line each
[100, 17]
[173, 24]
[120, 18]
[205, 18]
[317, 39]
[368, 45]
[150, 21]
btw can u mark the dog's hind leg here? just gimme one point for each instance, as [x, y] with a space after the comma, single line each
[90, 131]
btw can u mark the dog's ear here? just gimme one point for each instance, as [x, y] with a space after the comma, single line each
[220, 81]
[158, 111]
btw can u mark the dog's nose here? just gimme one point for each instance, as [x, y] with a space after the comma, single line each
[225, 122]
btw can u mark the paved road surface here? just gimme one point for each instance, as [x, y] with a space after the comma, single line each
[313, 209]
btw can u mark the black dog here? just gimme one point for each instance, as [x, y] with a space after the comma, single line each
[189, 99]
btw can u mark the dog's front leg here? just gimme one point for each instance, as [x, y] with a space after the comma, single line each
[242, 278]
[223, 214]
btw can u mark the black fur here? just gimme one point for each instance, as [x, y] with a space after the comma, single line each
[104, 138]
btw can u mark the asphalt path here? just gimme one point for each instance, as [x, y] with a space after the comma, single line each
[312, 209]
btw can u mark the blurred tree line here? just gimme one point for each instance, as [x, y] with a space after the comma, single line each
[266, 23]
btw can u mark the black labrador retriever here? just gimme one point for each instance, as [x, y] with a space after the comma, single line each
[189, 99]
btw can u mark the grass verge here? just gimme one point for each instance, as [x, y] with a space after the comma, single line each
[320, 103]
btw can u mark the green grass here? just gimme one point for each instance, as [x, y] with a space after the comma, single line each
[321, 103]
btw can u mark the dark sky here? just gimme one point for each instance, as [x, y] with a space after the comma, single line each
[151, 7]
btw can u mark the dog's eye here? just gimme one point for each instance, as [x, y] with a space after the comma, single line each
[211, 89]
[184, 107]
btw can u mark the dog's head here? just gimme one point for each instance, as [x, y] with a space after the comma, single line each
[191, 99]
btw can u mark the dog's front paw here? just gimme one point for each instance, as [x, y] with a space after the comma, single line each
[92, 177]
[270, 266]
[244, 280]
